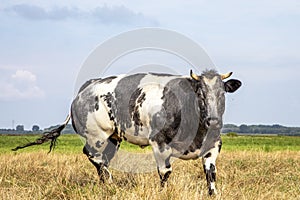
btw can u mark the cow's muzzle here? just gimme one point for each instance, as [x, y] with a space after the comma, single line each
[213, 123]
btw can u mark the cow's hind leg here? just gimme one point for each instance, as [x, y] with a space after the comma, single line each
[162, 154]
[100, 155]
[209, 165]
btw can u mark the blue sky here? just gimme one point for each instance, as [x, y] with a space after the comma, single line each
[44, 43]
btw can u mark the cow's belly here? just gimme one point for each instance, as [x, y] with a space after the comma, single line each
[191, 155]
[137, 140]
[140, 137]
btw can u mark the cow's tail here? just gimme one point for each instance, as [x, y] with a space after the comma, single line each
[48, 135]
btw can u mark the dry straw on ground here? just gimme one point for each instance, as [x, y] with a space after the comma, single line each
[241, 175]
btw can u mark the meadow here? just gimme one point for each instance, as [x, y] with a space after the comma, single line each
[249, 167]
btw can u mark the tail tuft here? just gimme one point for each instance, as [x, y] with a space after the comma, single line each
[49, 135]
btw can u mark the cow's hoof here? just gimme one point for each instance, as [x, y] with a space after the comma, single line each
[212, 192]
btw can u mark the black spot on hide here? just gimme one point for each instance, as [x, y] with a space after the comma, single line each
[126, 93]
[110, 102]
[96, 103]
[220, 146]
[207, 155]
[99, 144]
[136, 100]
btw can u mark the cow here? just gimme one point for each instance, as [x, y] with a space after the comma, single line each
[179, 116]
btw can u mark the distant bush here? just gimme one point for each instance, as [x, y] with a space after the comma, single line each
[232, 134]
[261, 129]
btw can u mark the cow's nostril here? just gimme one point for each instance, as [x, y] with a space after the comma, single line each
[207, 123]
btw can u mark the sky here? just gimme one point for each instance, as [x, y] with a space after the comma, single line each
[43, 45]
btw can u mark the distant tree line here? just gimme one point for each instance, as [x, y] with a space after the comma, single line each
[262, 129]
[35, 130]
[227, 128]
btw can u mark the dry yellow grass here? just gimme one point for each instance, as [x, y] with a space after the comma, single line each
[241, 175]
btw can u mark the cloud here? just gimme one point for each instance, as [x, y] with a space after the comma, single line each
[20, 85]
[23, 75]
[105, 14]
[38, 13]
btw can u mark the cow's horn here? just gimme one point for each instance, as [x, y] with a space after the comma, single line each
[224, 76]
[194, 76]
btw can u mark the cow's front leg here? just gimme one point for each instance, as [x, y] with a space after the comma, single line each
[209, 165]
[162, 154]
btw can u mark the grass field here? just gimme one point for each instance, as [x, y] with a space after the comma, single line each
[249, 167]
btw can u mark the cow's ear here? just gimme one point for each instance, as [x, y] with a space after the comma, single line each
[232, 85]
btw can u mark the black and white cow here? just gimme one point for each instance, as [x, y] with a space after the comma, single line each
[179, 116]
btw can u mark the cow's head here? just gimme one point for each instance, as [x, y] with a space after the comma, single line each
[211, 90]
